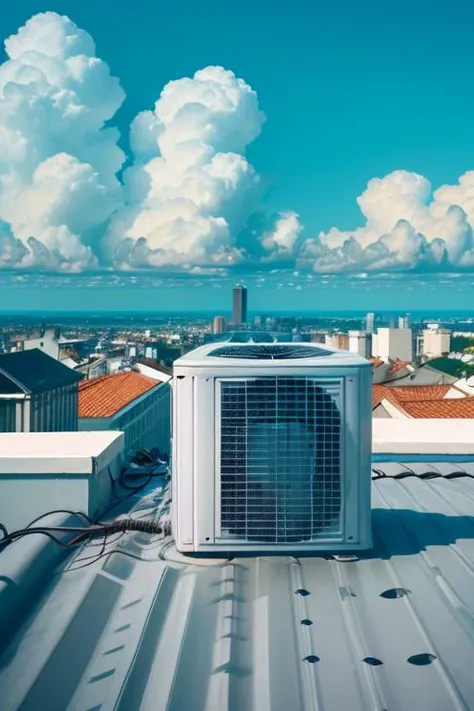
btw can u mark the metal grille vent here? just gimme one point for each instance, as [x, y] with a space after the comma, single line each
[259, 352]
[280, 459]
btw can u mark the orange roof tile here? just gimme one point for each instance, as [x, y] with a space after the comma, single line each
[376, 362]
[399, 395]
[105, 396]
[398, 365]
[378, 394]
[419, 393]
[451, 407]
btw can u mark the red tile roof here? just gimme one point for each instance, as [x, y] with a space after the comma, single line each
[376, 362]
[424, 401]
[105, 396]
[398, 365]
[400, 395]
[378, 394]
[419, 393]
[462, 408]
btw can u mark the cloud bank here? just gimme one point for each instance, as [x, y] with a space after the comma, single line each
[189, 200]
[406, 227]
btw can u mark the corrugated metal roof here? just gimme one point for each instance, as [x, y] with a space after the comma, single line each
[393, 630]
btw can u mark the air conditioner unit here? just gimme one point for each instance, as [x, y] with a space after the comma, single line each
[271, 449]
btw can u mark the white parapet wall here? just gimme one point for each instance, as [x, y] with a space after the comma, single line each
[424, 437]
[43, 471]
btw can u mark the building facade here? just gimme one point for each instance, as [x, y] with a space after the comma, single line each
[337, 340]
[239, 304]
[219, 324]
[369, 322]
[394, 344]
[360, 343]
[37, 393]
[131, 402]
[436, 342]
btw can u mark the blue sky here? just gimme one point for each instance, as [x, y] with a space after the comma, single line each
[351, 92]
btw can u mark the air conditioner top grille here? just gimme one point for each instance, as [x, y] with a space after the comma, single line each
[273, 352]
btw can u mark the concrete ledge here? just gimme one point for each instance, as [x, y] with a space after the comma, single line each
[424, 437]
[57, 452]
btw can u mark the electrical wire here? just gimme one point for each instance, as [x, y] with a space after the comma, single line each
[77, 514]
[44, 532]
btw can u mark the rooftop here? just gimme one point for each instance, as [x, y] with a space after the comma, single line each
[33, 371]
[415, 393]
[392, 630]
[455, 408]
[105, 396]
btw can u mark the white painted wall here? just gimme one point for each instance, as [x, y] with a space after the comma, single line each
[436, 342]
[42, 471]
[360, 343]
[420, 436]
[393, 343]
[48, 343]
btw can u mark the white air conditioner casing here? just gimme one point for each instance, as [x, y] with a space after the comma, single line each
[271, 449]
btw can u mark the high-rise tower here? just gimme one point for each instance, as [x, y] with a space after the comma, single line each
[239, 305]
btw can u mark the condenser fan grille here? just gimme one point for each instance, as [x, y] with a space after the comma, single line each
[280, 459]
[259, 352]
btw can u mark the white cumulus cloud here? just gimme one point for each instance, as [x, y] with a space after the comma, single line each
[190, 189]
[407, 226]
[189, 198]
[58, 162]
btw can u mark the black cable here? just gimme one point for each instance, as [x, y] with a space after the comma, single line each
[121, 499]
[77, 514]
[125, 524]
[424, 475]
[4, 531]
[31, 531]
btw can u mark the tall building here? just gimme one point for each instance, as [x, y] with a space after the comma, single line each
[369, 322]
[337, 340]
[240, 305]
[360, 343]
[394, 343]
[404, 321]
[436, 341]
[218, 325]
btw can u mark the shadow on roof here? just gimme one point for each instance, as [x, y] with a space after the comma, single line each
[406, 532]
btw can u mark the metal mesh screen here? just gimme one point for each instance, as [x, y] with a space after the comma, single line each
[280, 459]
[259, 352]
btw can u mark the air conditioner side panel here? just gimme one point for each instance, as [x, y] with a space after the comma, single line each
[183, 462]
[365, 458]
[357, 474]
[204, 461]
